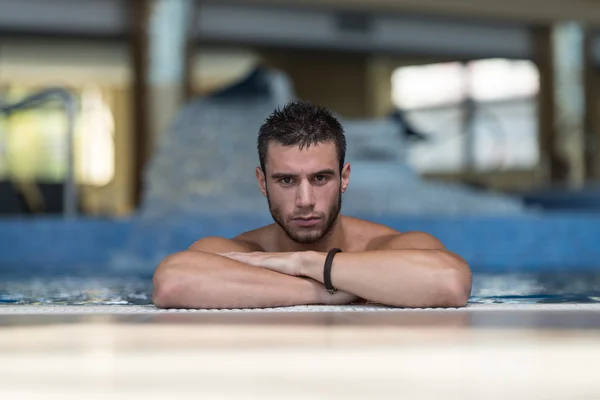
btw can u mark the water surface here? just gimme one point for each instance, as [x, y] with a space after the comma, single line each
[487, 288]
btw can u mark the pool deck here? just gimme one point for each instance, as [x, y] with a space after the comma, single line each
[483, 351]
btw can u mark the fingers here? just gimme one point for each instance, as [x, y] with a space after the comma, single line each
[246, 258]
[234, 256]
[230, 255]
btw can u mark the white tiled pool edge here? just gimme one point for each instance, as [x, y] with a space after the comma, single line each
[145, 309]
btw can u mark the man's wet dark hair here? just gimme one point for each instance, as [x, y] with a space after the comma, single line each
[301, 124]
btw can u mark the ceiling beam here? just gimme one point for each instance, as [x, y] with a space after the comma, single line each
[531, 11]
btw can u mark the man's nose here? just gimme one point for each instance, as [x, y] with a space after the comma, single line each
[305, 196]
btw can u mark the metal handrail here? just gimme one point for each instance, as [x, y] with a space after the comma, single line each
[69, 101]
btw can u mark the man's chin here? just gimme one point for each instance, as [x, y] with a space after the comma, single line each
[306, 237]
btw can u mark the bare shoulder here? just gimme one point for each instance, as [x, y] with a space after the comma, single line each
[357, 224]
[377, 236]
[217, 244]
[407, 240]
[360, 232]
[256, 238]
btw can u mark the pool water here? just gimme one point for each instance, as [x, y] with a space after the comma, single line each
[547, 287]
[77, 291]
[563, 287]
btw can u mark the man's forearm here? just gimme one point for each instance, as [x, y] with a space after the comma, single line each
[195, 279]
[406, 278]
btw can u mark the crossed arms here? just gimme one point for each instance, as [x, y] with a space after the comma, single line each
[404, 270]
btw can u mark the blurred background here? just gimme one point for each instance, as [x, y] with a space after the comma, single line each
[500, 96]
[128, 131]
[116, 110]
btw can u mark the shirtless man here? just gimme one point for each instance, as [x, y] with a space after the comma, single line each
[303, 175]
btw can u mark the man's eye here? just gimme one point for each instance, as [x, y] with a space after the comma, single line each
[320, 178]
[286, 181]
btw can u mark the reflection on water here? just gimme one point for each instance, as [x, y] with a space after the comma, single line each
[548, 287]
[77, 291]
[505, 288]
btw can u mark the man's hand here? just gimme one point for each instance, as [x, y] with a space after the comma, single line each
[290, 263]
[339, 298]
[285, 263]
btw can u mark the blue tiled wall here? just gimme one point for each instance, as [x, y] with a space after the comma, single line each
[495, 243]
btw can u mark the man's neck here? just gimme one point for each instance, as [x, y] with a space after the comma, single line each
[334, 238]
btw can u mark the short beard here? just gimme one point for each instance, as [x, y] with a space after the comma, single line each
[334, 211]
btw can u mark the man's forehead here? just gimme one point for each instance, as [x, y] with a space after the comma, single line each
[316, 156]
[317, 149]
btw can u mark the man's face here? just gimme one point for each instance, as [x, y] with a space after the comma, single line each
[304, 189]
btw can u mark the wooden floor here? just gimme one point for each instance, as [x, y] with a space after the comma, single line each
[487, 352]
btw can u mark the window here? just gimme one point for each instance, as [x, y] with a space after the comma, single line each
[33, 142]
[95, 145]
[480, 115]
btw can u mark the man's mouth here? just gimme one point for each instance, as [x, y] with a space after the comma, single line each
[306, 222]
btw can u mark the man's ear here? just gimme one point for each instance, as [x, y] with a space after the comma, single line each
[345, 177]
[261, 179]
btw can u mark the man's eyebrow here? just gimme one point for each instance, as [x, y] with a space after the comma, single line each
[327, 171]
[281, 175]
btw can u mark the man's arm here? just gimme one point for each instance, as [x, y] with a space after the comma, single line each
[200, 278]
[406, 270]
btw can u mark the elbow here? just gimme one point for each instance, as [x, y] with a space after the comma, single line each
[458, 297]
[164, 291]
[167, 282]
[458, 285]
